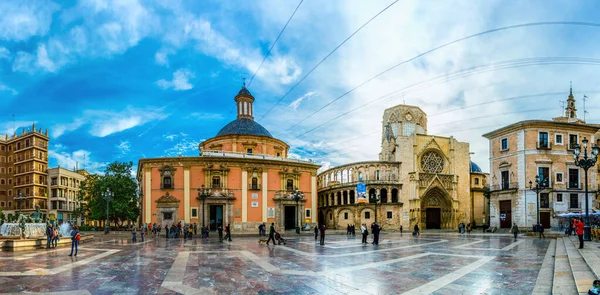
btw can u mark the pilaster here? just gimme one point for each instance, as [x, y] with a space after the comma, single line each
[186, 194]
[244, 196]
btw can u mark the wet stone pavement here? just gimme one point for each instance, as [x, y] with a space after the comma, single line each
[430, 264]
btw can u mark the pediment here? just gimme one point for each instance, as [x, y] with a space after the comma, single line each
[167, 198]
[433, 145]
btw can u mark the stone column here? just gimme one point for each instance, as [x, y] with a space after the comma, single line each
[186, 194]
[265, 195]
[244, 196]
[314, 199]
[148, 196]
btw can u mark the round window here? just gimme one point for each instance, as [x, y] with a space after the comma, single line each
[432, 162]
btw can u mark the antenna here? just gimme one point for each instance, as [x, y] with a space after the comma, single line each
[562, 106]
[584, 111]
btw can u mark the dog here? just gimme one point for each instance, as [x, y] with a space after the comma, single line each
[262, 241]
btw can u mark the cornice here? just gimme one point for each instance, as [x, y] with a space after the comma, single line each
[522, 125]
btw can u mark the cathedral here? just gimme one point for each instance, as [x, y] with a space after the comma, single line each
[419, 179]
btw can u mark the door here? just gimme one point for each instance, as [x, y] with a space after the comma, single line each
[434, 218]
[290, 217]
[505, 214]
[216, 217]
[545, 219]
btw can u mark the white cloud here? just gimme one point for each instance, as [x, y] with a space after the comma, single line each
[184, 146]
[4, 53]
[10, 127]
[43, 60]
[6, 88]
[180, 80]
[124, 147]
[60, 129]
[78, 159]
[205, 116]
[296, 103]
[22, 20]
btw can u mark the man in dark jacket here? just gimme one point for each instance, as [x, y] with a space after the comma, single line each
[49, 235]
[272, 234]
[376, 229]
[322, 232]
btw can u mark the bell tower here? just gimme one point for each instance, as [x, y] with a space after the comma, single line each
[244, 100]
[571, 110]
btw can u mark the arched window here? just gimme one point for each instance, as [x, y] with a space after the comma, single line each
[255, 183]
[476, 181]
[350, 175]
[289, 186]
[338, 176]
[167, 183]
[2, 181]
[377, 175]
[360, 176]
[326, 180]
[394, 195]
[344, 176]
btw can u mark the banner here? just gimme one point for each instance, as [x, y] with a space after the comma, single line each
[361, 193]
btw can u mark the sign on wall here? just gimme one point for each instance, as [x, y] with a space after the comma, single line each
[254, 196]
[361, 192]
[531, 208]
[271, 212]
[254, 204]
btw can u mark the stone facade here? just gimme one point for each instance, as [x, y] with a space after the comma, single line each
[521, 151]
[419, 178]
[64, 193]
[242, 177]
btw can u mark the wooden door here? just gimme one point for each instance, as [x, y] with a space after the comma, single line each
[545, 219]
[505, 214]
[433, 218]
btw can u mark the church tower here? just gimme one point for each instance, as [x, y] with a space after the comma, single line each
[400, 122]
[570, 111]
[244, 100]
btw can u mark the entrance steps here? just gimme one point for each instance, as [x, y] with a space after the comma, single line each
[574, 269]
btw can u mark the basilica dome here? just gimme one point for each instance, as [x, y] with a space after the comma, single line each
[244, 126]
[475, 168]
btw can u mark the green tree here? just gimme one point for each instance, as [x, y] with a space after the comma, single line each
[118, 179]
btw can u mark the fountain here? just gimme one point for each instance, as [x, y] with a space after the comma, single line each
[32, 230]
[65, 229]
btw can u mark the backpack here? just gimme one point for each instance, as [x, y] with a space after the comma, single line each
[77, 237]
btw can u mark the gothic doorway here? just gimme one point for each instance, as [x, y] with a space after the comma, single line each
[434, 218]
[436, 210]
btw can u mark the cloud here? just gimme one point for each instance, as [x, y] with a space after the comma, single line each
[184, 146]
[104, 122]
[11, 127]
[296, 103]
[161, 58]
[205, 116]
[180, 81]
[60, 129]
[22, 20]
[4, 53]
[79, 158]
[6, 88]
[124, 147]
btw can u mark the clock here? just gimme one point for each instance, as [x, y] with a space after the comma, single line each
[408, 117]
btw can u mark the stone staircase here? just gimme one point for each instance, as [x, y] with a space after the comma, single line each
[574, 269]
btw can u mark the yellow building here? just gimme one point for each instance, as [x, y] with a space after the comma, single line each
[249, 175]
[419, 179]
[64, 193]
[523, 150]
[23, 171]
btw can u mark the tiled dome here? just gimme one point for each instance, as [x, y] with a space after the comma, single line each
[475, 168]
[244, 126]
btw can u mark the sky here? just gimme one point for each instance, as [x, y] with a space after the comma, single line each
[124, 80]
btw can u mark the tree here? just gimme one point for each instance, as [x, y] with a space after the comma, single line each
[117, 178]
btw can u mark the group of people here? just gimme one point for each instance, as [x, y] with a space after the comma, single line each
[187, 231]
[462, 228]
[375, 230]
[351, 230]
[53, 237]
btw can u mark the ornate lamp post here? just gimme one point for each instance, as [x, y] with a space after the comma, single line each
[376, 199]
[586, 161]
[203, 193]
[297, 195]
[540, 185]
[108, 196]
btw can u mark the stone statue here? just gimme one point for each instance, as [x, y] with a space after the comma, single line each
[37, 215]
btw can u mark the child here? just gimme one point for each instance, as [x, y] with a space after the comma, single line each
[595, 290]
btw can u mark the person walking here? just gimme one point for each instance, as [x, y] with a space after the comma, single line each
[515, 230]
[322, 232]
[75, 237]
[220, 230]
[195, 229]
[416, 232]
[49, 235]
[376, 230]
[364, 232]
[166, 231]
[541, 231]
[579, 226]
[55, 238]
[134, 234]
[469, 228]
[401, 230]
[143, 232]
[227, 233]
[271, 234]
[316, 232]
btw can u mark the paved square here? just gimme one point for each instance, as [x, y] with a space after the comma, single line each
[432, 263]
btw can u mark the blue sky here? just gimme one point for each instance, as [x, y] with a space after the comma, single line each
[121, 80]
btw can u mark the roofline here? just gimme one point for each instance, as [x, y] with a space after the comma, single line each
[359, 163]
[531, 123]
[406, 105]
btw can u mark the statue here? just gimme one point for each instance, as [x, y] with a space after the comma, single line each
[37, 215]
[21, 221]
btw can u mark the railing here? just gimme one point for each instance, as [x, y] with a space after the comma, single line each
[250, 156]
[544, 145]
[216, 186]
[505, 186]
[574, 185]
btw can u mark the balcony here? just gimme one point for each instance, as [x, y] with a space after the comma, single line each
[25, 159]
[544, 145]
[574, 185]
[254, 187]
[505, 186]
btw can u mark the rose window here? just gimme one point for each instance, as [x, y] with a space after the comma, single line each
[432, 162]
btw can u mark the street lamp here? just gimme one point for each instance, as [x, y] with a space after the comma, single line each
[540, 185]
[203, 193]
[297, 195]
[586, 162]
[108, 196]
[376, 199]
